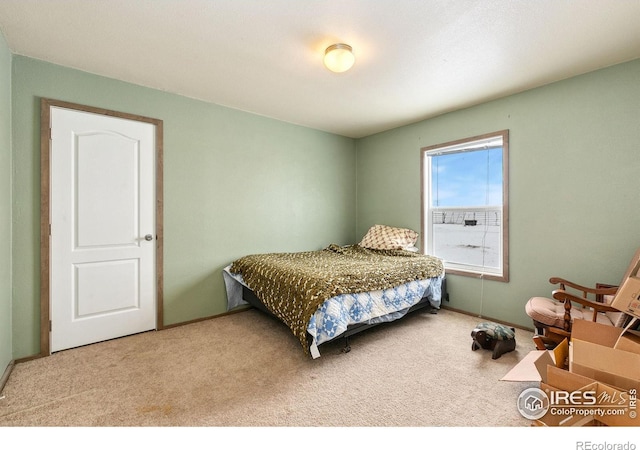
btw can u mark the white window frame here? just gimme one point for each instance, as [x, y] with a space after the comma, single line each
[500, 213]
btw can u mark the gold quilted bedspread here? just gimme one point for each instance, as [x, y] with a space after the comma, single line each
[293, 285]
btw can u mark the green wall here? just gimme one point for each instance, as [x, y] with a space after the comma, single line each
[234, 183]
[5, 206]
[574, 164]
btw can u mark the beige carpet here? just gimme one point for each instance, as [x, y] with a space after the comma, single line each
[247, 370]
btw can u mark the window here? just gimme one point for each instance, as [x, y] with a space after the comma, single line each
[464, 205]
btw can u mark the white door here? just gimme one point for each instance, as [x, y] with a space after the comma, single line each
[102, 244]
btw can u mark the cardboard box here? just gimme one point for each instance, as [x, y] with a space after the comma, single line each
[629, 341]
[565, 380]
[560, 380]
[577, 400]
[611, 399]
[602, 383]
[627, 298]
[606, 365]
[595, 332]
[545, 359]
[533, 367]
[561, 354]
[593, 354]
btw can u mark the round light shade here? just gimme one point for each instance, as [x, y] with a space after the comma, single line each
[339, 57]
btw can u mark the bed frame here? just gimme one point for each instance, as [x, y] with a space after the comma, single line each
[250, 297]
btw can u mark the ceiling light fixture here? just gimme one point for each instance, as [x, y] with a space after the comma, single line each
[339, 57]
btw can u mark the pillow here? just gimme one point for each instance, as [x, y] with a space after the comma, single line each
[383, 237]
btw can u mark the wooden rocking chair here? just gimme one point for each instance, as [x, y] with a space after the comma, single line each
[552, 318]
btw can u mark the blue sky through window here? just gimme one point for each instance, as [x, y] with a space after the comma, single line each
[470, 178]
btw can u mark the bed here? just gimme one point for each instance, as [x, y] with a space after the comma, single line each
[338, 291]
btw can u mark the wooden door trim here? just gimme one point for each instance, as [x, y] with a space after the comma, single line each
[45, 209]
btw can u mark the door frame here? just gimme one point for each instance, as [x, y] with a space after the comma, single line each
[45, 209]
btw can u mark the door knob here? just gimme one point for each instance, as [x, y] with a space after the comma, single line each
[148, 237]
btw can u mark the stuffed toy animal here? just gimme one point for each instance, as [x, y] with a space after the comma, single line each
[492, 336]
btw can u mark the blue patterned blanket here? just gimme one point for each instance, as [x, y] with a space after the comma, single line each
[334, 316]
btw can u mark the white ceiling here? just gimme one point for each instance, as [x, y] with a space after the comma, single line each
[415, 59]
